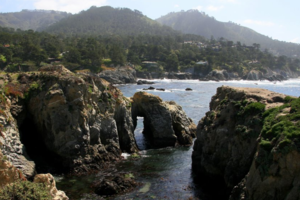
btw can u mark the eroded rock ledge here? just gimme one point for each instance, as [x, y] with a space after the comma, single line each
[248, 145]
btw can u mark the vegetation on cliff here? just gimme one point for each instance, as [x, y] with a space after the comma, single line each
[249, 143]
[280, 133]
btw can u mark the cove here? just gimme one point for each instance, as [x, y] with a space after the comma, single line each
[167, 171]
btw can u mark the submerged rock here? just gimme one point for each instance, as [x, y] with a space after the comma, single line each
[117, 185]
[236, 151]
[165, 123]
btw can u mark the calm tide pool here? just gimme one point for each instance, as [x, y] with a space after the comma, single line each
[166, 173]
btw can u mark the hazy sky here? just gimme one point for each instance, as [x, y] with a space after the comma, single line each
[275, 18]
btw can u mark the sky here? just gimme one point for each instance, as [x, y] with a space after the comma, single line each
[274, 18]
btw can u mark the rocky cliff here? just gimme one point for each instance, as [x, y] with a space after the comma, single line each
[247, 144]
[55, 120]
[80, 121]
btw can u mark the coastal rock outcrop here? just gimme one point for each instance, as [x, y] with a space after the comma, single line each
[165, 123]
[78, 122]
[217, 75]
[248, 146]
[119, 75]
[82, 121]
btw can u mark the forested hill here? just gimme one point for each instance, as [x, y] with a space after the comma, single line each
[195, 22]
[31, 19]
[109, 21]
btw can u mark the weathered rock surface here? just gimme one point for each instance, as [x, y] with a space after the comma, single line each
[10, 141]
[120, 75]
[164, 122]
[77, 122]
[83, 120]
[229, 148]
[8, 172]
[50, 184]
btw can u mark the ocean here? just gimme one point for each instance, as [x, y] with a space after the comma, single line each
[166, 173]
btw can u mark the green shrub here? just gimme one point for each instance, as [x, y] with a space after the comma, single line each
[288, 99]
[254, 107]
[22, 190]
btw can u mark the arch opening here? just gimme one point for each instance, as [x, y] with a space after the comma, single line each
[141, 134]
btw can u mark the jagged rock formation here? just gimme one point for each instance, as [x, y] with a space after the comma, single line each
[164, 122]
[10, 141]
[236, 147]
[77, 122]
[119, 75]
[81, 119]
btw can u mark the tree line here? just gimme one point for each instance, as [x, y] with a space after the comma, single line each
[171, 53]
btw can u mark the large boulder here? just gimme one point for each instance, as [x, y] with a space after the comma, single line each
[236, 148]
[164, 122]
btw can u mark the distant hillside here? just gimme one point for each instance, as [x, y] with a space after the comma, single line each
[109, 21]
[31, 19]
[195, 22]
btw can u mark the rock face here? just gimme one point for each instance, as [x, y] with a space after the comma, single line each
[10, 141]
[234, 146]
[164, 122]
[81, 119]
[78, 122]
[120, 75]
[8, 172]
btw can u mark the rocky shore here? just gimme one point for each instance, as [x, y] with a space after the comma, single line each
[78, 122]
[119, 75]
[247, 145]
[222, 75]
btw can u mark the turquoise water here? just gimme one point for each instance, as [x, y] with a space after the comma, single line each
[166, 173]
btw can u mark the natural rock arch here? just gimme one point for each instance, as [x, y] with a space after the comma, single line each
[165, 123]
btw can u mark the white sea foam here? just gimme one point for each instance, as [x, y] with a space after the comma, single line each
[125, 155]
